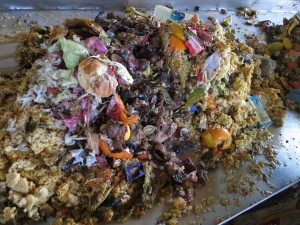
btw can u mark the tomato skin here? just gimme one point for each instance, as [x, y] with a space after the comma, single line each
[211, 104]
[220, 134]
[52, 90]
[292, 65]
[216, 136]
[294, 84]
[143, 156]
[200, 77]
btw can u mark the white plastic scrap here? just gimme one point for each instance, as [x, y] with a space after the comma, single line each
[22, 147]
[163, 13]
[77, 154]
[11, 124]
[40, 91]
[64, 95]
[90, 160]
[70, 140]
[211, 66]
[79, 157]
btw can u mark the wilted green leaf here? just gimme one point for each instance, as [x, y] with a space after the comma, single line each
[65, 79]
[195, 96]
[73, 53]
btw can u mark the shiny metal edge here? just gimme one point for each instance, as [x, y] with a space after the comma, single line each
[260, 202]
[284, 138]
[266, 5]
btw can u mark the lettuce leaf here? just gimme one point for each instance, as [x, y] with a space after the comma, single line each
[65, 79]
[73, 52]
[54, 48]
[195, 96]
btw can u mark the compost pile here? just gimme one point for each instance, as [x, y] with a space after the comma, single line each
[117, 114]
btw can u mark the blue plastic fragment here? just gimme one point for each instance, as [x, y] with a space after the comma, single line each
[294, 95]
[194, 109]
[134, 171]
[177, 16]
[265, 120]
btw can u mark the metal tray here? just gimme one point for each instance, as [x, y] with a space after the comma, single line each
[286, 139]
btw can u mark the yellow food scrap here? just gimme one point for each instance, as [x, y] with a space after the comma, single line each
[275, 46]
[177, 31]
[287, 43]
[179, 203]
[227, 21]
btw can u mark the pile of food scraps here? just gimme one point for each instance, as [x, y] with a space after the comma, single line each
[114, 115]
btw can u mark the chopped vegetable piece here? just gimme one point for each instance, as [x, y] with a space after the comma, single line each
[73, 53]
[115, 107]
[52, 90]
[220, 134]
[194, 44]
[71, 123]
[176, 44]
[56, 58]
[127, 134]
[40, 29]
[119, 155]
[94, 76]
[227, 21]
[287, 43]
[29, 37]
[119, 101]
[117, 111]
[145, 40]
[240, 12]
[249, 13]
[292, 65]
[227, 144]
[84, 27]
[121, 71]
[200, 77]
[275, 46]
[291, 52]
[205, 35]
[95, 44]
[167, 97]
[65, 79]
[211, 104]
[195, 96]
[128, 119]
[294, 84]
[177, 31]
[294, 23]
[215, 136]
[143, 155]
[195, 18]
[134, 171]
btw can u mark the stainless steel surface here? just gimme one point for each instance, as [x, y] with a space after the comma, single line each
[269, 5]
[285, 139]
